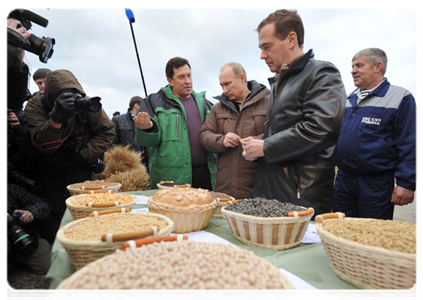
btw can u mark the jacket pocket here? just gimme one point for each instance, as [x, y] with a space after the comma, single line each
[170, 124]
[225, 123]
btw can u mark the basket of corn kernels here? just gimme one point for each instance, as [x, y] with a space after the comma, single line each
[370, 253]
[85, 240]
[80, 206]
[93, 186]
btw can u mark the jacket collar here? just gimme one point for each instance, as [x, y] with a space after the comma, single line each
[254, 87]
[296, 67]
[380, 91]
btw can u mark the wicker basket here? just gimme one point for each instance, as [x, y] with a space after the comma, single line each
[270, 233]
[80, 212]
[170, 184]
[222, 200]
[364, 266]
[82, 253]
[97, 186]
[185, 221]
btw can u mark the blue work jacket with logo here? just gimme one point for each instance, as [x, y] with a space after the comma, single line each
[378, 135]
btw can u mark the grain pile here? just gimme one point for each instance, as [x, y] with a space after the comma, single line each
[100, 198]
[179, 265]
[388, 234]
[266, 208]
[92, 229]
[93, 184]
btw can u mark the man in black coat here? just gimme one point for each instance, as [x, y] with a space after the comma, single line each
[296, 155]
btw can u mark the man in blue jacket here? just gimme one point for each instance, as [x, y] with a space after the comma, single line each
[377, 145]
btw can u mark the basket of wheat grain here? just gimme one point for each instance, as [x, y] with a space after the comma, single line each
[88, 239]
[370, 253]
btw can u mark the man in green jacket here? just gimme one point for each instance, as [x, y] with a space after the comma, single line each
[169, 122]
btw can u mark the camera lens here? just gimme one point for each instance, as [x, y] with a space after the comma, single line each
[18, 236]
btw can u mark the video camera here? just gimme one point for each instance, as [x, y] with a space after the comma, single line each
[41, 47]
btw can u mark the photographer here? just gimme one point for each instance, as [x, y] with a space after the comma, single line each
[71, 132]
[24, 243]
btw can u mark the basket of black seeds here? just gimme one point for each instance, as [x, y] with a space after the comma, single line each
[267, 223]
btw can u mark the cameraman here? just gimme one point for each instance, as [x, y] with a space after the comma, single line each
[23, 208]
[17, 69]
[71, 132]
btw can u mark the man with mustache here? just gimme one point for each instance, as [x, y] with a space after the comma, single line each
[168, 122]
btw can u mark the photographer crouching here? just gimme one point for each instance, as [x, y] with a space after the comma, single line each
[24, 243]
[71, 131]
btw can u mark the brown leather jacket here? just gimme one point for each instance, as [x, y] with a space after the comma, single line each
[235, 175]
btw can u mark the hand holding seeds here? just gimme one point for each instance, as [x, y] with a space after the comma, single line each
[253, 148]
[231, 140]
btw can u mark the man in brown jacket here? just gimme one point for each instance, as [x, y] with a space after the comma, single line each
[71, 131]
[241, 113]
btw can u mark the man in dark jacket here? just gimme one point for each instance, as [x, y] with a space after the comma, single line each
[71, 131]
[377, 145]
[304, 118]
[125, 128]
[240, 113]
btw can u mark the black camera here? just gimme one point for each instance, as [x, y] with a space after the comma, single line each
[85, 103]
[41, 47]
[18, 237]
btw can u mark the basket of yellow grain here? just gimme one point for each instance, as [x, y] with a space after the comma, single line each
[370, 253]
[93, 186]
[80, 206]
[88, 239]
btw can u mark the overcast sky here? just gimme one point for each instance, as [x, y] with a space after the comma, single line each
[97, 45]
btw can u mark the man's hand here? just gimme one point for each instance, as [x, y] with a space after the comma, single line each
[26, 216]
[12, 119]
[17, 26]
[64, 107]
[142, 121]
[402, 196]
[253, 148]
[231, 140]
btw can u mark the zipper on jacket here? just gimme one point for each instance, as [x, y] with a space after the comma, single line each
[298, 192]
[297, 181]
[177, 125]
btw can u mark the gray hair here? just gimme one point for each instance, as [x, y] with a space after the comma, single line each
[237, 68]
[375, 55]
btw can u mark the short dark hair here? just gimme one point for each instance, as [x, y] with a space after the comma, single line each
[175, 63]
[40, 73]
[135, 100]
[285, 22]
